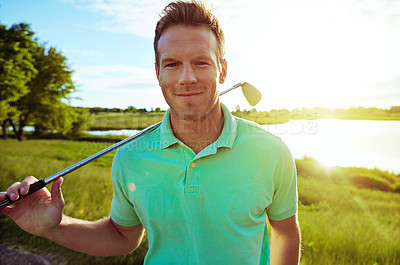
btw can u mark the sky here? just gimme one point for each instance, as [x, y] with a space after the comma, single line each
[309, 53]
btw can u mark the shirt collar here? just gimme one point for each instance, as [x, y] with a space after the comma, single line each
[167, 137]
[226, 139]
[228, 134]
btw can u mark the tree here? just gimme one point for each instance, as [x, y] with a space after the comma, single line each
[143, 110]
[16, 69]
[82, 121]
[65, 120]
[47, 90]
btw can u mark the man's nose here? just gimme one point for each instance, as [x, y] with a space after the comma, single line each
[188, 76]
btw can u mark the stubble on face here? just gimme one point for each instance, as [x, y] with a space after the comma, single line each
[189, 72]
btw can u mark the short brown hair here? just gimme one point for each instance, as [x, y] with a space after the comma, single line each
[192, 13]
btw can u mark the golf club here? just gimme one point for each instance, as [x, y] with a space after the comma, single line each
[251, 94]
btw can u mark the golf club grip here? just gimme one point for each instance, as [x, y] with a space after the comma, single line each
[33, 188]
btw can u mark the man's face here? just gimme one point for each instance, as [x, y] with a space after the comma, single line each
[188, 72]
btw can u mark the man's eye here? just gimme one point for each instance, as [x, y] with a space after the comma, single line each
[170, 65]
[201, 63]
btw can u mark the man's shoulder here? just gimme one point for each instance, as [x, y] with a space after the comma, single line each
[148, 141]
[254, 130]
[255, 139]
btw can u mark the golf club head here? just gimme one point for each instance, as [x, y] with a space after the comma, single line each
[251, 93]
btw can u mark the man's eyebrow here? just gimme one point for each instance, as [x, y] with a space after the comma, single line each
[167, 59]
[203, 57]
[200, 57]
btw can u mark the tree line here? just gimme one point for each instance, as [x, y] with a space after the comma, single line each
[284, 115]
[130, 109]
[35, 85]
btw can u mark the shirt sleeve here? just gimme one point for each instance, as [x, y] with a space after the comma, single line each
[285, 199]
[122, 209]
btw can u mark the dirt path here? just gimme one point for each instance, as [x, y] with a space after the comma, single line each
[13, 256]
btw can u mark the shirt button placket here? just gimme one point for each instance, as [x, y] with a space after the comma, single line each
[192, 179]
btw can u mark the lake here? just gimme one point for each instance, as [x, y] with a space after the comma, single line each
[360, 143]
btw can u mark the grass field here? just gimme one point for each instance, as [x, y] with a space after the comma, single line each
[347, 215]
[128, 120]
[119, 121]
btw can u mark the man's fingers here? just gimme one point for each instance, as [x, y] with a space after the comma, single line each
[28, 181]
[56, 194]
[22, 188]
[13, 191]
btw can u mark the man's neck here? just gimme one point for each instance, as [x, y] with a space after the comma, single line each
[198, 134]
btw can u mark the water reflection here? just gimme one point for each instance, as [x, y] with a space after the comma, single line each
[345, 142]
[335, 142]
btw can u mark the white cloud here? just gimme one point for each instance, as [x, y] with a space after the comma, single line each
[314, 53]
[116, 78]
[307, 52]
[125, 16]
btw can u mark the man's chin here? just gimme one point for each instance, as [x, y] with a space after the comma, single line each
[186, 114]
[190, 117]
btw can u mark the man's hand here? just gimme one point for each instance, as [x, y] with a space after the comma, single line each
[285, 241]
[40, 212]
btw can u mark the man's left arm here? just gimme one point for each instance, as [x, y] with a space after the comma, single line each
[285, 241]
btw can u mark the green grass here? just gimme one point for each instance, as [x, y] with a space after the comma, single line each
[347, 215]
[116, 121]
[343, 224]
[128, 120]
[87, 192]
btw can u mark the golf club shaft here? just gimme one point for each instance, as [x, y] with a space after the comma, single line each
[42, 183]
[230, 89]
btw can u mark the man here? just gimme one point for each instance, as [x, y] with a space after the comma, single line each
[201, 184]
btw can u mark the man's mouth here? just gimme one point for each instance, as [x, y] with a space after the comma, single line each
[188, 94]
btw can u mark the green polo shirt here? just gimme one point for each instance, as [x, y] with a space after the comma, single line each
[208, 208]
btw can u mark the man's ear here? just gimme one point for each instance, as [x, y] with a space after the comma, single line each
[157, 74]
[223, 72]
